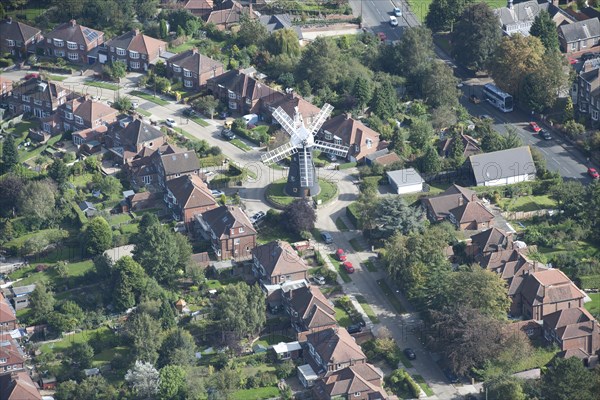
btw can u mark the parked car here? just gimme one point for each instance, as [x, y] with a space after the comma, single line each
[257, 217]
[227, 134]
[382, 36]
[31, 75]
[544, 134]
[327, 238]
[170, 122]
[590, 56]
[354, 328]
[134, 104]
[409, 353]
[216, 193]
[348, 267]
[534, 126]
[593, 173]
[319, 280]
[451, 376]
[485, 116]
[190, 112]
[340, 254]
[393, 21]
[397, 12]
[331, 157]
[474, 99]
[224, 114]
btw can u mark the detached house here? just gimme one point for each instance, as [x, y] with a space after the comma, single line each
[290, 102]
[18, 386]
[199, 8]
[579, 37]
[75, 42]
[18, 39]
[193, 69]
[331, 350]
[241, 91]
[360, 382]
[128, 138]
[459, 205]
[136, 50]
[470, 146]
[230, 231]
[308, 309]
[277, 262]
[488, 242]
[575, 331]
[38, 97]
[502, 167]
[347, 131]
[187, 196]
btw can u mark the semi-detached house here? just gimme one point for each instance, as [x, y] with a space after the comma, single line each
[136, 50]
[18, 38]
[74, 42]
[193, 69]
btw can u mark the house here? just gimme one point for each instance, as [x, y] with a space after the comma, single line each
[470, 146]
[347, 131]
[136, 50]
[8, 316]
[459, 205]
[518, 18]
[143, 200]
[241, 91]
[586, 91]
[187, 196]
[18, 39]
[383, 157]
[287, 351]
[290, 102]
[81, 114]
[405, 181]
[18, 386]
[87, 208]
[361, 382]
[502, 167]
[199, 8]
[308, 309]
[5, 87]
[488, 242]
[574, 331]
[38, 97]
[193, 69]
[230, 231]
[128, 138]
[331, 350]
[579, 37]
[74, 42]
[172, 162]
[20, 296]
[545, 292]
[12, 357]
[277, 262]
[229, 14]
[279, 21]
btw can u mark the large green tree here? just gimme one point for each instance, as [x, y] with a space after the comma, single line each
[98, 236]
[41, 303]
[252, 31]
[58, 171]
[144, 379]
[362, 91]
[146, 9]
[392, 215]
[172, 382]
[284, 41]
[11, 187]
[443, 14]
[240, 308]
[568, 379]
[544, 28]
[439, 87]
[129, 280]
[430, 162]
[385, 100]
[542, 87]
[92, 388]
[37, 202]
[145, 336]
[415, 54]
[10, 155]
[505, 387]
[320, 64]
[476, 36]
[178, 348]
[420, 133]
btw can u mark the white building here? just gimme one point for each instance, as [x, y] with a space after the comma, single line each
[503, 167]
[405, 181]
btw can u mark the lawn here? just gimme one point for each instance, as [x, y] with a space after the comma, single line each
[143, 112]
[199, 121]
[356, 245]
[419, 379]
[149, 97]
[391, 296]
[59, 78]
[20, 130]
[421, 7]
[74, 270]
[240, 145]
[275, 194]
[328, 191]
[268, 392]
[28, 155]
[339, 223]
[79, 337]
[269, 340]
[185, 46]
[107, 355]
[370, 266]
[118, 219]
[342, 317]
[30, 14]
[593, 306]
[102, 85]
[540, 356]
[528, 203]
[367, 308]
[268, 233]
[580, 247]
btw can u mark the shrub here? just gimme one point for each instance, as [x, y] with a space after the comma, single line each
[573, 129]
[285, 369]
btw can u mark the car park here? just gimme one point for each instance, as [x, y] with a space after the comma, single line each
[534, 126]
[409, 353]
[348, 267]
[397, 12]
[170, 122]
[393, 21]
[327, 238]
[354, 328]
[340, 254]
[593, 173]
[257, 217]
[544, 134]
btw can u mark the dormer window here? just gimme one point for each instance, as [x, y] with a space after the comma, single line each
[3, 360]
[120, 52]
[69, 115]
[59, 43]
[357, 394]
[328, 135]
[25, 98]
[187, 73]
[176, 68]
[369, 143]
[337, 141]
[134, 54]
[241, 230]
[72, 45]
[79, 120]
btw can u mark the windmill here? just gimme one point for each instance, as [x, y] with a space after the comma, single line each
[301, 177]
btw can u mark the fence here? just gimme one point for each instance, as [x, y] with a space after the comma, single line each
[521, 215]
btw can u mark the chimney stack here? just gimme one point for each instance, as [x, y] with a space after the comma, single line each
[195, 50]
[9, 20]
[73, 22]
[460, 201]
[136, 31]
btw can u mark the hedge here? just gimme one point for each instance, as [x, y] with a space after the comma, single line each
[590, 281]
[81, 218]
[346, 165]
[352, 213]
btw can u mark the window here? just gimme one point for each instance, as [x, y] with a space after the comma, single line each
[26, 108]
[583, 44]
[71, 45]
[574, 46]
[81, 47]
[134, 54]
[357, 394]
[46, 127]
[176, 68]
[188, 84]
[595, 115]
[59, 53]
[68, 115]
[241, 230]
[59, 43]
[147, 179]
[73, 56]
[120, 52]
[79, 120]
[37, 102]
[143, 56]
[369, 143]
[232, 95]
[249, 101]
[232, 105]
[112, 49]
[356, 148]
[49, 40]
[337, 141]
[187, 74]
[135, 65]
[11, 43]
[25, 98]
[236, 242]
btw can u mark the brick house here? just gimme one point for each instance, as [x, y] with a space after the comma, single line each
[360, 382]
[230, 231]
[574, 330]
[18, 386]
[290, 102]
[331, 350]
[347, 131]
[12, 357]
[308, 309]
[545, 292]
[228, 14]
[277, 262]
[8, 316]
[199, 8]
[136, 50]
[193, 69]
[18, 39]
[172, 162]
[241, 91]
[74, 42]
[487, 242]
[459, 205]
[586, 91]
[127, 138]
[579, 37]
[470, 146]
[5, 87]
[187, 196]
[37, 97]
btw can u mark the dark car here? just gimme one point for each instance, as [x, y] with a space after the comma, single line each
[190, 112]
[410, 354]
[545, 135]
[327, 238]
[354, 328]
[451, 376]
[590, 56]
[228, 134]
[224, 114]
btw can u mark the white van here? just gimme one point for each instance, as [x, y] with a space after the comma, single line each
[250, 119]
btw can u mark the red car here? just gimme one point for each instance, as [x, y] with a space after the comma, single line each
[382, 36]
[340, 254]
[593, 173]
[534, 127]
[348, 267]
[30, 76]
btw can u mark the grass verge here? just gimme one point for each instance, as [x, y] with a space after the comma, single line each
[199, 121]
[102, 85]
[370, 266]
[421, 382]
[143, 112]
[57, 78]
[367, 308]
[345, 277]
[391, 296]
[149, 97]
[339, 223]
[240, 145]
[342, 317]
[356, 245]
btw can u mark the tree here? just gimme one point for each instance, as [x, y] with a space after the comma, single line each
[144, 379]
[385, 100]
[62, 269]
[300, 216]
[178, 348]
[392, 215]
[569, 110]
[415, 54]
[108, 185]
[10, 155]
[439, 86]
[207, 104]
[103, 265]
[81, 354]
[570, 196]
[444, 13]
[569, 379]
[11, 187]
[443, 117]
[119, 70]
[284, 41]
[505, 387]
[146, 9]
[129, 280]
[492, 141]
[92, 388]
[41, 303]
[240, 308]
[164, 32]
[68, 317]
[37, 201]
[362, 91]
[251, 32]
[430, 162]
[98, 236]
[122, 103]
[420, 133]
[172, 384]
[58, 171]
[320, 64]
[515, 57]
[542, 87]
[476, 36]
[145, 337]
[192, 26]
[544, 28]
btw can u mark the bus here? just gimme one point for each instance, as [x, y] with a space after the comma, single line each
[499, 99]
